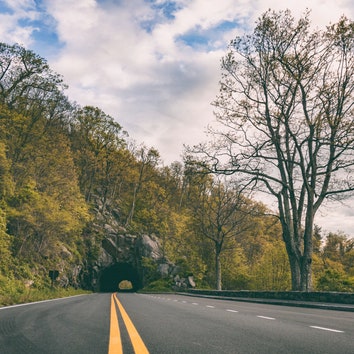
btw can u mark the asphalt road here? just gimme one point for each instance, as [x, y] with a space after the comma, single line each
[101, 323]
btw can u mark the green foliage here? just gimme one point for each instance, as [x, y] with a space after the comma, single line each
[183, 247]
[237, 274]
[150, 269]
[335, 280]
[5, 244]
[13, 291]
[333, 264]
[160, 285]
[6, 182]
[272, 271]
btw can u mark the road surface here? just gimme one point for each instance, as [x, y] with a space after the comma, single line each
[140, 323]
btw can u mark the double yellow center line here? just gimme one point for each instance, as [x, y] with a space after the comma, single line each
[115, 342]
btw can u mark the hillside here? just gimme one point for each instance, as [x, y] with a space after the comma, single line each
[66, 172]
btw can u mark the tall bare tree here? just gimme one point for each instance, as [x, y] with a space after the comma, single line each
[285, 110]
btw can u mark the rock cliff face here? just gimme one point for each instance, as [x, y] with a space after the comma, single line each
[123, 256]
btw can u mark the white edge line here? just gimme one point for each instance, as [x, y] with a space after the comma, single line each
[327, 329]
[40, 302]
[266, 318]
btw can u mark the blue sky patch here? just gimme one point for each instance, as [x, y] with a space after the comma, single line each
[5, 9]
[194, 38]
[226, 26]
[164, 11]
[204, 38]
[45, 38]
[167, 8]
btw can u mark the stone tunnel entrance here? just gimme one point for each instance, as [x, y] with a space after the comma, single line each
[111, 277]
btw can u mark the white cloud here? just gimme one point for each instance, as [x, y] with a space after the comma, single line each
[10, 31]
[148, 78]
[149, 81]
[322, 11]
[335, 217]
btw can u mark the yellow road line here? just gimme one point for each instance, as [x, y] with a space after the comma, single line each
[137, 342]
[115, 343]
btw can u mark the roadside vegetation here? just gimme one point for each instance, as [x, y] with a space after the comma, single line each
[15, 291]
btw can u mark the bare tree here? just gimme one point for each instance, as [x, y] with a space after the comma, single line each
[220, 213]
[285, 111]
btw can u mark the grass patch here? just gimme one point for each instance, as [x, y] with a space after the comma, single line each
[160, 285]
[15, 292]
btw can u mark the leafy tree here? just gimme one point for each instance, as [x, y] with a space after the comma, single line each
[237, 274]
[6, 181]
[25, 77]
[336, 246]
[183, 246]
[334, 278]
[337, 256]
[173, 180]
[30, 88]
[285, 111]
[271, 271]
[98, 145]
[146, 162]
[47, 207]
[5, 244]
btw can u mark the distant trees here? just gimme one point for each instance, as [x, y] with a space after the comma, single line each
[6, 189]
[146, 162]
[333, 262]
[31, 89]
[26, 80]
[41, 202]
[45, 204]
[285, 111]
[97, 142]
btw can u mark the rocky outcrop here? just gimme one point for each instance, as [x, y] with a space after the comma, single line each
[121, 252]
[183, 283]
[149, 246]
[130, 250]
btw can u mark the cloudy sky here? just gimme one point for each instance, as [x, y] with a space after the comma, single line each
[153, 65]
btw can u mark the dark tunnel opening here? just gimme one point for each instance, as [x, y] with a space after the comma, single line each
[112, 276]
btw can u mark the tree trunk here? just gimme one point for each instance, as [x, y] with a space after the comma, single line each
[306, 274]
[301, 270]
[306, 261]
[132, 208]
[295, 271]
[218, 267]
